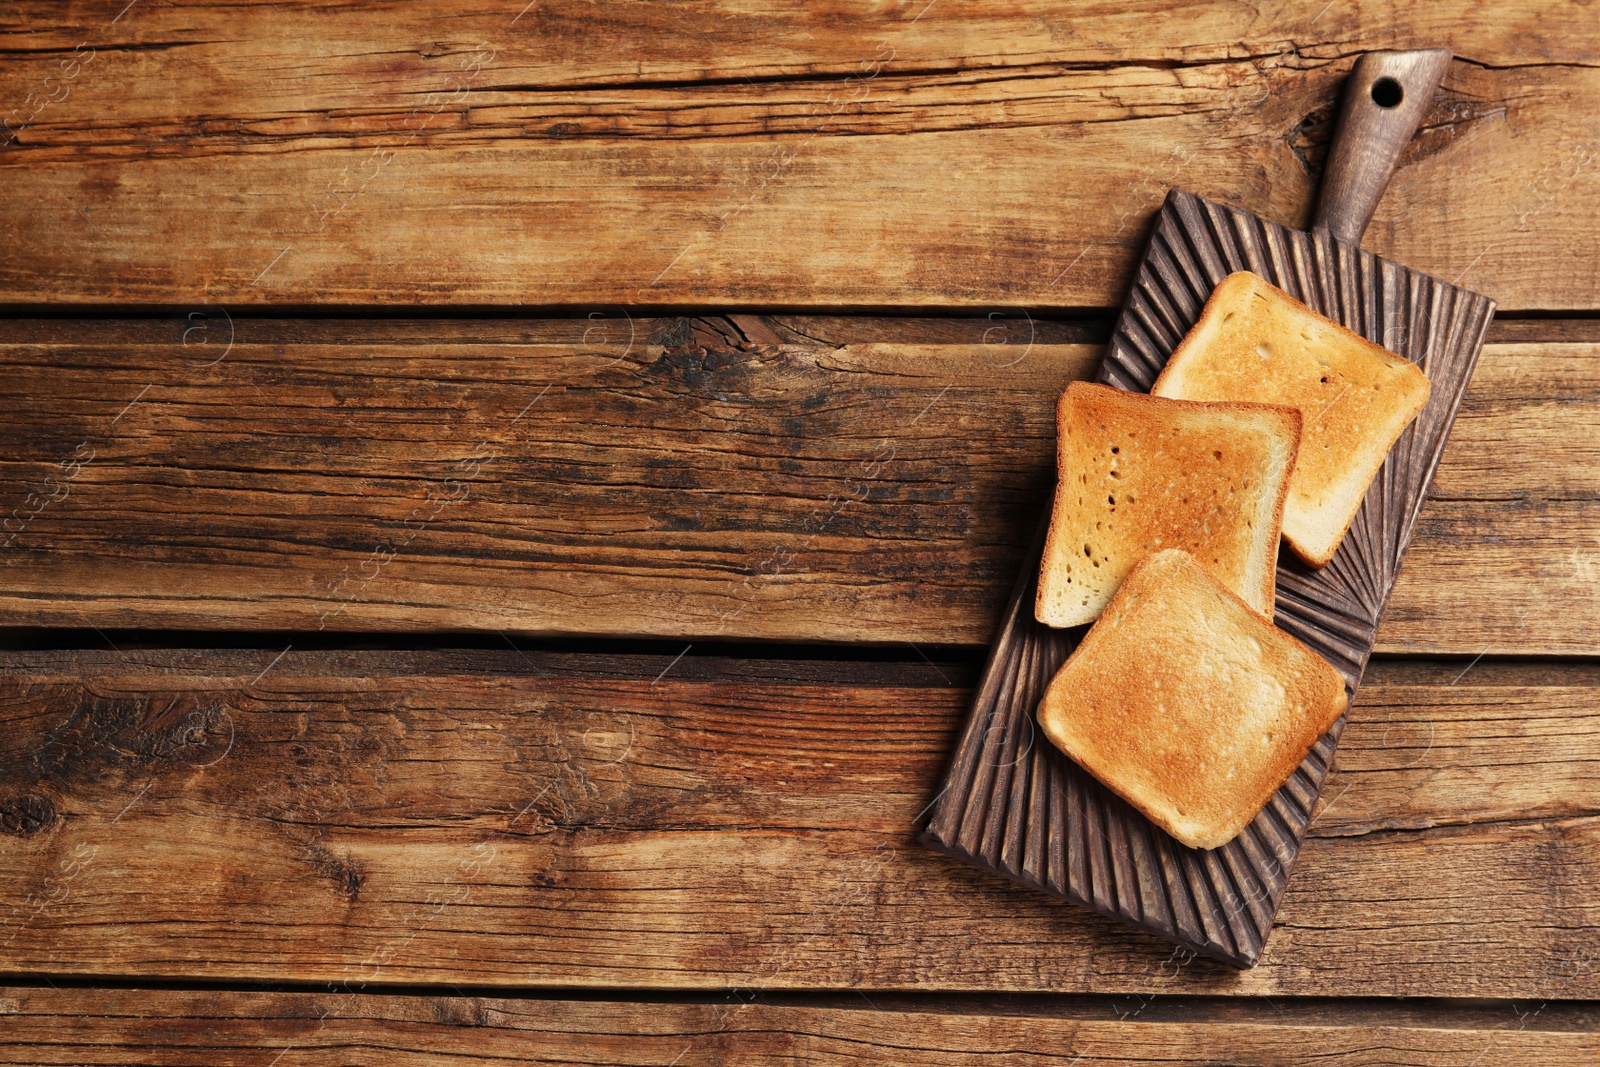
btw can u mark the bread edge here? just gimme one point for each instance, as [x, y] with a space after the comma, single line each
[1317, 559]
[1296, 421]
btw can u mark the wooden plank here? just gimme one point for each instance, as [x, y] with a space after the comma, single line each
[573, 43]
[1505, 747]
[1087, 329]
[745, 155]
[836, 331]
[1190, 897]
[614, 322]
[874, 492]
[169, 1027]
[1522, 515]
[482, 818]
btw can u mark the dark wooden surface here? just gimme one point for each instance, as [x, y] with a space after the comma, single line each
[750, 154]
[504, 507]
[731, 489]
[263, 1029]
[591, 819]
[1027, 812]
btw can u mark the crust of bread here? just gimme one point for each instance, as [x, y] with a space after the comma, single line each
[1254, 342]
[1140, 473]
[1188, 704]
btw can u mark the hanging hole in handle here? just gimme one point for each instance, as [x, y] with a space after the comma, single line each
[1387, 93]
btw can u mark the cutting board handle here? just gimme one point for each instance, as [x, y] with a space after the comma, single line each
[1385, 98]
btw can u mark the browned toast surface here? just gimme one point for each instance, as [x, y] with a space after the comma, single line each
[1137, 474]
[1254, 342]
[1188, 704]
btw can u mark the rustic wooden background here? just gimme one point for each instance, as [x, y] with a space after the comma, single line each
[504, 505]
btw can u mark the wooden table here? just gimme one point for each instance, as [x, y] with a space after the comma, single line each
[505, 507]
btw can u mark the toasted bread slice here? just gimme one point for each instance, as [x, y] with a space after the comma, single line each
[1254, 342]
[1187, 704]
[1138, 473]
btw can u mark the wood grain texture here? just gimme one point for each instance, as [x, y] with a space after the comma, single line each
[1385, 99]
[1039, 819]
[429, 328]
[573, 43]
[1016, 807]
[692, 488]
[1044, 821]
[484, 818]
[749, 155]
[108, 1026]
[1336, 609]
[1500, 487]
[832, 331]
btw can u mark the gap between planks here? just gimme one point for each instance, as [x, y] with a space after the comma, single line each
[343, 325]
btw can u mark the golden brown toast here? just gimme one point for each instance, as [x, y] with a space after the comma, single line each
[1187, 704]
[1139, 473]
[1254, 342]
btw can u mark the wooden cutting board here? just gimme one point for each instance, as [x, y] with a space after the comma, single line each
[1013, 804]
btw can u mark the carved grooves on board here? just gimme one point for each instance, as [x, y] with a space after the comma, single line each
[1015, 805]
